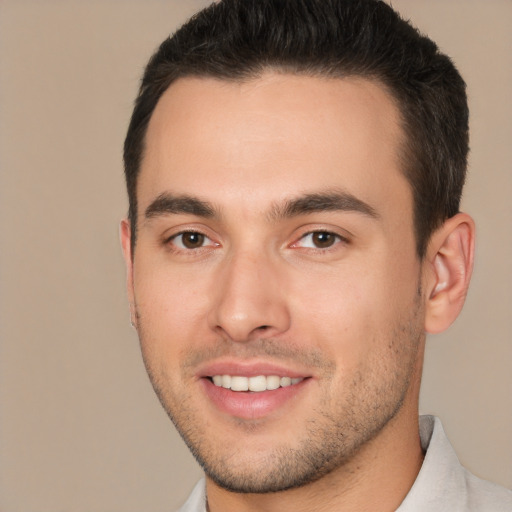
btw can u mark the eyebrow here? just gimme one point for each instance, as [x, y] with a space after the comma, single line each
[166, 204]
[321, 202]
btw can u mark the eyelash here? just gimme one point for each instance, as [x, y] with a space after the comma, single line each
[170, 241]
[337, 240]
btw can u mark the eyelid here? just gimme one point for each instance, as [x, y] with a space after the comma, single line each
[169, 240]
[340, 239]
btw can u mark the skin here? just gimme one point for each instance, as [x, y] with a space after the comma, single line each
[256, 285]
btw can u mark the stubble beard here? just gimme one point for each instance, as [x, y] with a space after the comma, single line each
[334, 434]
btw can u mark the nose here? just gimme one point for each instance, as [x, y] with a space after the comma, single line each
[249, 299]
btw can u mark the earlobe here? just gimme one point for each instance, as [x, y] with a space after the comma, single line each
[450, 254]
[125, 236]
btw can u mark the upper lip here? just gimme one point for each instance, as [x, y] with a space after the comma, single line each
[248, 369]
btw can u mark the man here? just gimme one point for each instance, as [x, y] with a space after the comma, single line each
[294, 171]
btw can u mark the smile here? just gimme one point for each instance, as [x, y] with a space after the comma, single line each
[256, 384]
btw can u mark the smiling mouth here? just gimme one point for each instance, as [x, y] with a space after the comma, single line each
[255, 384]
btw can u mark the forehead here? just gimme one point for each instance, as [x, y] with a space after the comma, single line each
[271, 137]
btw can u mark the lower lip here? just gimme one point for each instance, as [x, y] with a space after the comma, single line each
[251, 405]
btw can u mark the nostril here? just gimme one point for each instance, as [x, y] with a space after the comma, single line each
[263, 327]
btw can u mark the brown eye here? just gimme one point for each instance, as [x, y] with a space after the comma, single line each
[322, 240]
[318, 240]
[189, 240]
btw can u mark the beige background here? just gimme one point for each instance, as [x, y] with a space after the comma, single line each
[80, 429]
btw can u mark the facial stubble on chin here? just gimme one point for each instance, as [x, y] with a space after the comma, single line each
[335, 431]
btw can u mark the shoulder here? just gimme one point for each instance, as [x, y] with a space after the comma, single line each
[486, 496]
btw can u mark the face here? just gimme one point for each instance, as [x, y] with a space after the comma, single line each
[275, 284]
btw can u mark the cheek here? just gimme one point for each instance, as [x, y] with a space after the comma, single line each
[336, 317]
[168, 292]
[171, 309]
[354, 310]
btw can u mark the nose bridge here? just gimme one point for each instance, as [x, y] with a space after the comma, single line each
[249, 299]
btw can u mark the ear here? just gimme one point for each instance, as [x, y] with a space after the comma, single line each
[450, 260]
[125, 235]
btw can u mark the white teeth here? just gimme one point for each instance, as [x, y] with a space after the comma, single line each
[226, 381]
[239, 383]
[286, 381]
[256, 384]
[273, 382]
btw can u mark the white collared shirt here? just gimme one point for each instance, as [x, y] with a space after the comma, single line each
[442, 485]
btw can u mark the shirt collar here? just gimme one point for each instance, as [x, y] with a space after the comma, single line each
[440, 484]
